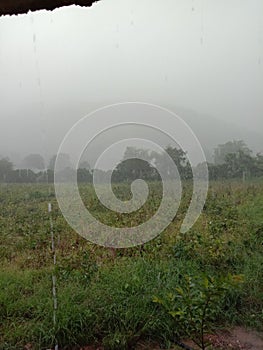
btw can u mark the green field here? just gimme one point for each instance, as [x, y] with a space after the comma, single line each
[176, 286]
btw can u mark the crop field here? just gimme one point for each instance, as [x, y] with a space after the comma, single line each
[177, 286]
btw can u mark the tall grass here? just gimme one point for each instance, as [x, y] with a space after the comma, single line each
[106, 296]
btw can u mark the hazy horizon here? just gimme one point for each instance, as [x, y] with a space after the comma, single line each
[201, 59]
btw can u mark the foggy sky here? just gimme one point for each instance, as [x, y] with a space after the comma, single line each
[202, 59]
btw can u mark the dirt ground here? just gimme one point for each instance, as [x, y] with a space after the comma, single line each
[237, 338]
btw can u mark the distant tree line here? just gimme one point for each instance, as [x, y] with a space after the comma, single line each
[235, 160]
[231, 160]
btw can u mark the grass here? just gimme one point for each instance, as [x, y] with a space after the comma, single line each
[106, 296]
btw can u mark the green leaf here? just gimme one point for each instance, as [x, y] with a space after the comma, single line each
[157, 300]
[176, 313]
[180, 291]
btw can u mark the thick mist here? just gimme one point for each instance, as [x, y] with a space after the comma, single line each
[200, 59]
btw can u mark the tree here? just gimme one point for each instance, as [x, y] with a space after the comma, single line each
[84, 175]
[136, 164]
[133, 152]
[230, 147]
[34, 161]
[63, 161]
[259, 164]
[132, 169]
[84, 165]
[233, 167]
[6, 168]
[146, 163]
[180, 160]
